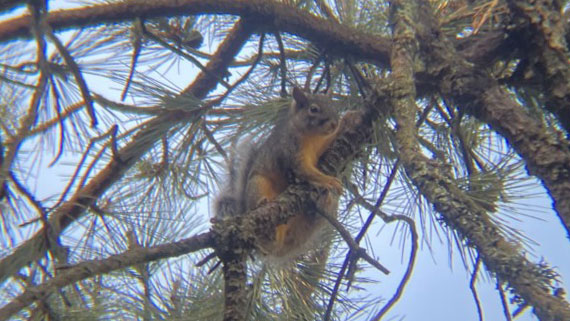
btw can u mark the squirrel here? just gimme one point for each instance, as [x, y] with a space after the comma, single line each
[265, 169]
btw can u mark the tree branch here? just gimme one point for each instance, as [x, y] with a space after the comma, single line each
[87, 269]
[271, 16]
[435, 183]
[478, 94]
[75, 207]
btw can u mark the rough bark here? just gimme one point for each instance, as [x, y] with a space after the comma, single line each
[235, 288]
[540, 29]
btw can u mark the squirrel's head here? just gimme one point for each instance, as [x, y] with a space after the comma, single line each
[312, 114]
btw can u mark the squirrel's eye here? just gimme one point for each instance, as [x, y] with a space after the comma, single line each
[314, 109]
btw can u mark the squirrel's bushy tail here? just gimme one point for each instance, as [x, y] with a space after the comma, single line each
[231, 200]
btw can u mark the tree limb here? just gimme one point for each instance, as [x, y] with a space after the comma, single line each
[478, 94]
[115, 262]
[435, 183]
[337, 38]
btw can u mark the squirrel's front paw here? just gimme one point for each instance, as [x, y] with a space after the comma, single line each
[333, 184]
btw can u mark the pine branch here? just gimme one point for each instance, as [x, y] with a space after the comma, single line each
[88, 269]
[357, 251]
[478, 94]
[335, 38]
[75, 207]
[459, 212]
[270, 16]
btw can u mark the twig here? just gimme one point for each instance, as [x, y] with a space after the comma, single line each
[214, 142]
[311, 72]
[474, 289]
[326, 10]
[520, 310]
[282, 65]
[37, 16]
[24, 191]
[74, 68]
[206, 259]
[363, 85]
[152, 111]
[373, 212]
[504, 302]
[219, 100]
[137, 46]
[47, 124]
[14, 143]
[56, 101]
[358, 251]
[411, 262]
[455, 123]
[327, 70]
[92, 142]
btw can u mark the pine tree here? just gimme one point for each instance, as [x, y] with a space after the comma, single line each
[118, 119]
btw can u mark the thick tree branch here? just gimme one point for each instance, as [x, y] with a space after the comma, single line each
[435, 183]
[478, 94]
[482, 48]
[542, 39]
[270, 15]
[500, 256]
[75, 207]
[6, 5]
[546, 156]
[335, 38]
[235, 287]
[87, 269]
[404, 48]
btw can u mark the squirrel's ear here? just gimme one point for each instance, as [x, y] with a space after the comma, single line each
[300, 97]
